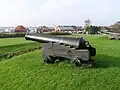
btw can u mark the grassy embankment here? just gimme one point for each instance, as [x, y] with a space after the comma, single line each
[10, 47]
[28, 72]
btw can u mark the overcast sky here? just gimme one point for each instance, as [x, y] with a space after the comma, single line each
[54, 12]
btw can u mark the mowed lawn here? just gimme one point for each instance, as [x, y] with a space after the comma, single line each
[28, 72]
[8, 45]
[12, 41]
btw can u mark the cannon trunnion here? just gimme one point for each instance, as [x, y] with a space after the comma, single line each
[56, 48]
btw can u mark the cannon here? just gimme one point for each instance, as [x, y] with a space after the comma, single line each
[57, 48]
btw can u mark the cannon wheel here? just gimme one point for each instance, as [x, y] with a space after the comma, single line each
[85, 64]
[76, 62]
[49, 60]
[88, 64]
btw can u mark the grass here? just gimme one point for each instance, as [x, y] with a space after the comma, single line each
[17, 47]
[10, 45]
[12, 41]
[28, 72]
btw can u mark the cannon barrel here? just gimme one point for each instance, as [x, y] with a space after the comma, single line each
[75, 42]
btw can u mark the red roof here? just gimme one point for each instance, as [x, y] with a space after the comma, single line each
[20, 28]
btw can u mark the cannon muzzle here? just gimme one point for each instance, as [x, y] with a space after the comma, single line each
[75, 42]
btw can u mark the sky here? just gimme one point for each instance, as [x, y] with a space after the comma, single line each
[58, 12]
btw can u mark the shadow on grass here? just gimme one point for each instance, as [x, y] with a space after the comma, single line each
[103, 61]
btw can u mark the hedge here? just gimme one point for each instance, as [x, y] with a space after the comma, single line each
[22, 34]
[11, 35]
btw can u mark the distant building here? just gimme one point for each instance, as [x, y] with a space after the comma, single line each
[69, 29]
[7, 30]
[64, 29]
[79, 29]
[20, 28]
[115, 27]
[51, 29]
[1, 30]
[33, 30]
[43, 29]
[118, 23]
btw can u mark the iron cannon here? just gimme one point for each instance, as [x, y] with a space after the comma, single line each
[57, 48]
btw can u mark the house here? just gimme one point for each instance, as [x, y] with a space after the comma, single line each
[1, 30]
[7, 30]
[31, 30]
[79, 29]
[43, 29]
[115, 27]
[51, 29]
[20, 28]
[64, 29]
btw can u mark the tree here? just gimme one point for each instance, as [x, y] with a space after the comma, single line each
[87, 30]
[87, 26]
[94, 29]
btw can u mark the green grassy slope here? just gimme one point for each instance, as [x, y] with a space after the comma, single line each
[17, 47]
[12, 41]
[28, 72]
[12, 45]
